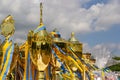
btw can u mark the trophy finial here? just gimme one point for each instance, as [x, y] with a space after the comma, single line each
[41, 14]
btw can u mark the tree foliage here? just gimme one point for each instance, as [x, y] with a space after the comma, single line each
[116, 58]
[115, 67]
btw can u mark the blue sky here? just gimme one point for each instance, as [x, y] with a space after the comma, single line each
[96, 23]
[94, 2]
[109, 36]
[97, 37]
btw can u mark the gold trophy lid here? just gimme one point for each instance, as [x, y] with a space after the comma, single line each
[57, 36]
[73, 39]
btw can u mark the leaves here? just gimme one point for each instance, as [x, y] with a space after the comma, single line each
[115, 67]
[116, 58]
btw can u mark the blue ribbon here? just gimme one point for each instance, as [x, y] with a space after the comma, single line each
[10, 39]
[49, 70]
[39, 29]
[8, 66]
[80, 59]
[62, 65]
[79, 75]
[28, 69]
[87, 75]
[59, 49]
[5, 56]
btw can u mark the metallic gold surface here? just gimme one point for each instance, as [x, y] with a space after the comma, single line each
[41, 14]
[7, 26]
[75, 45]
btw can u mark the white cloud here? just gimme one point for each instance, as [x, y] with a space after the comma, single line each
[37, 1]
[109, 15]
[19, 41]
[86, 48]
[66, 15]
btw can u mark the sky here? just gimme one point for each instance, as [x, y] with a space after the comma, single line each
[96, 23]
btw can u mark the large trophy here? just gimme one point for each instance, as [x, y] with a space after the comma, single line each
[37, 52]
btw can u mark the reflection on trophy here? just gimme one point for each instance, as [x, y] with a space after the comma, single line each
[39, 43]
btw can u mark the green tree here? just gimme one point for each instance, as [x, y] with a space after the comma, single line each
[115, 67]
[116, 58]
